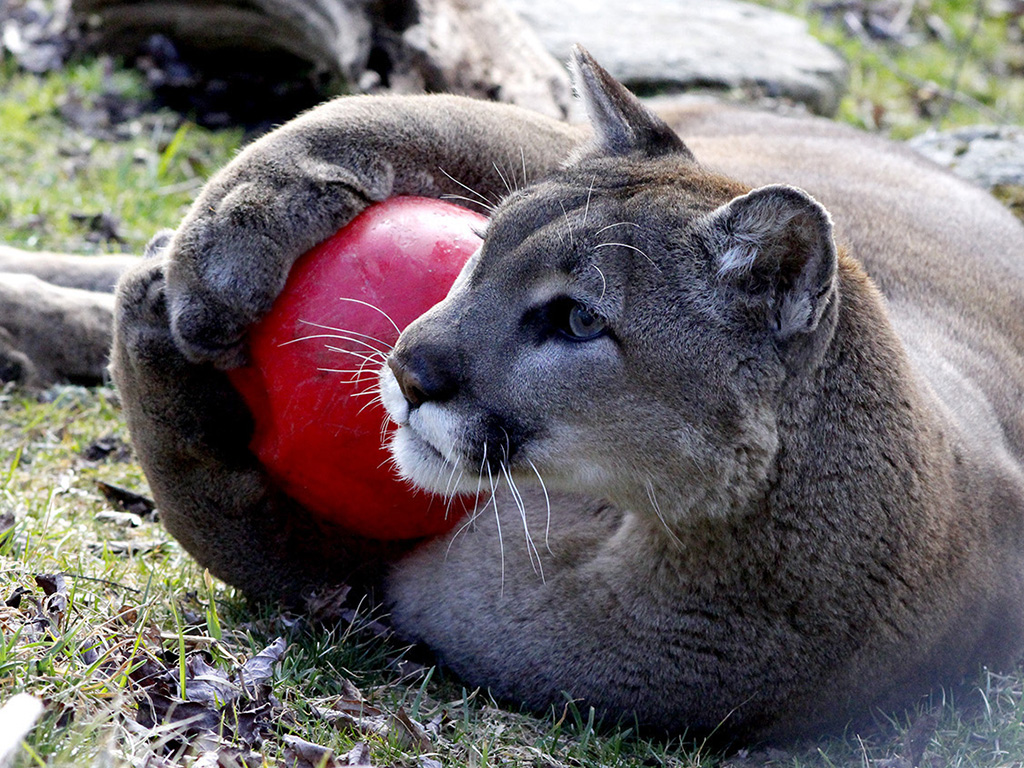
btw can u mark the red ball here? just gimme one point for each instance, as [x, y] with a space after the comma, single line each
[311, 384]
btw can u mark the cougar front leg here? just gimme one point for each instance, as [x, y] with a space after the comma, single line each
[52, 333]
[191, 431]
[230, 257]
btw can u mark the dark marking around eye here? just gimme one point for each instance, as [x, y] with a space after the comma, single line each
[565, 318]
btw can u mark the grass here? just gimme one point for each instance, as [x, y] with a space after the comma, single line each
[60, 177]
[955, 62]
[136, 604]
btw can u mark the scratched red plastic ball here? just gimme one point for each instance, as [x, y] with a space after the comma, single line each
[314, 361]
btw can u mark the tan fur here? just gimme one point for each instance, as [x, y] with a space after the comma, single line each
[56, 313]
[51, 333]
[785, 488]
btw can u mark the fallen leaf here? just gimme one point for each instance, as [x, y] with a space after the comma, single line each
[90, 650]
[51, 583]
[127, 501]
[141, 547]
[14, 601]
[364, 724]
[359, 755]
[218, 714]
[55, 589]
[299, 753]
[189, 717]
[107, 447]
[103, 227]
[326, 605]
[127, 519]
[208, 685]
[260, 668]
[209, 759]
[408, 733]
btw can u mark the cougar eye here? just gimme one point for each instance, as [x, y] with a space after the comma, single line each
[582, 324]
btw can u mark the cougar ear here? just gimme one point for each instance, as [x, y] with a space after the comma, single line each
[774, 245]
[622, 125]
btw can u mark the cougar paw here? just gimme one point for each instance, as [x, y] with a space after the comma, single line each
[15, 366]
[142, 332]
[206, 332]
[217, 288]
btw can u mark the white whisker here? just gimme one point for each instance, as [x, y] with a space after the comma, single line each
[531, 548]
[547, 505]
[604, 282]
[354, 372]
[503, 179]
[364, 356]
[618, 224]
[497, 521]
[586, 208]
[447, 495]
[388, 345]
[649, 485]
[380, 311]
[368, 403]
[568, 224]
[471, 201]
[630, 247]
[450, 488]
[335, 336]
[364, 393]
[487, 203]
[375, 359]
[477, 509]
[452, 493]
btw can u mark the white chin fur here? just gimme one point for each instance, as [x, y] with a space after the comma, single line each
[425, 444]
[422, 465]
[391, 396]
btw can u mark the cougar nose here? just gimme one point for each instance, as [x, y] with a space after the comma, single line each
[422, 375]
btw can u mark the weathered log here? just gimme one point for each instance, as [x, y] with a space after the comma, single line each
[480, 48]
[474, 47]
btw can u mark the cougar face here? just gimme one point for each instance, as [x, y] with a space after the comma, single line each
[580, 348]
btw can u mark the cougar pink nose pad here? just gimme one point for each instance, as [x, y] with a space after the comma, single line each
[311, 383]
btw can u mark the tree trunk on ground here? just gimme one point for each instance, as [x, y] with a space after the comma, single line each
[475, 47]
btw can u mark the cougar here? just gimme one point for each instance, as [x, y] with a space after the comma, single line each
[746, 411]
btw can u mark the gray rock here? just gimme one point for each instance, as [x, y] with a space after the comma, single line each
[671, 45]
[990, 156]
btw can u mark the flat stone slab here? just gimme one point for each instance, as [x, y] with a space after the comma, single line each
[990, 156]
[673, 45]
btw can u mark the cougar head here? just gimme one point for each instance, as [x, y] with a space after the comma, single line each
[625, 330]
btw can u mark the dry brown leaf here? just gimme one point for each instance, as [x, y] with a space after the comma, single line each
[260, 668]
[140, 547]
[359, 756]
[408, 733]
[127, 501]
[326, 605]
[299, 753]
[220, 713]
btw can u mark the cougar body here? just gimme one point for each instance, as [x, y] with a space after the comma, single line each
[751, 406]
